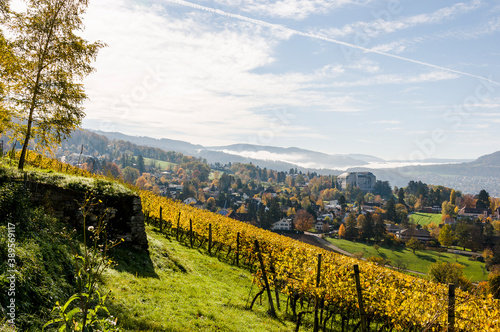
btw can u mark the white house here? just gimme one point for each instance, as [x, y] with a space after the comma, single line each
[284, 224]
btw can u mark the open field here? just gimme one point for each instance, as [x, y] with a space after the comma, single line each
[418, 261]
[425, 218]
[161, 163]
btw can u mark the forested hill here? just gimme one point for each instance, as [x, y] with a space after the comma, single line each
[93, 144]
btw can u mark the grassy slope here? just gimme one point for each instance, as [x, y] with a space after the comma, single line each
[176, 288]
[420, 261]
[425, 218]
[161, 163]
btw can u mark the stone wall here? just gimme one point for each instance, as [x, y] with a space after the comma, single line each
[123, 214]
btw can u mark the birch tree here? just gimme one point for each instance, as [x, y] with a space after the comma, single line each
[49, 61]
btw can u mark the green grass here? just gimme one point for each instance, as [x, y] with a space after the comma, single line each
[418, 261]
[162, 164]
[176, 288]
[425, 218]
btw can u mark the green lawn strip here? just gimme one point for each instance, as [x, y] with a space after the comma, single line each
[161, 163]
[418, 261]
[176, 288]
[425, 218]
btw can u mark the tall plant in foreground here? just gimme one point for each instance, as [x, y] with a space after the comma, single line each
[46, 64]
[86, 310]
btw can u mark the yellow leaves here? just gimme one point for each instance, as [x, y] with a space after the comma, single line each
[402, 299]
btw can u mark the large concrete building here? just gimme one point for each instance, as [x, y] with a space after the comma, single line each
[362, 180]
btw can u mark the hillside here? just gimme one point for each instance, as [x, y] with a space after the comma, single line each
[168, 287]
[292, 271]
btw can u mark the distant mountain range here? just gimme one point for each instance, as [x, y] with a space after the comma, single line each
[467, 175]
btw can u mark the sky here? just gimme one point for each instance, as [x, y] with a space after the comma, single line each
[403, 80]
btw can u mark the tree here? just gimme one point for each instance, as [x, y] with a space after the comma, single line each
[453, 197]
[342, 231]
[379, 229]
[390, 208]
[414, 244]
[5, 60]
[382, 188]
[342, 202]
[49, 61]
[211, 204]
[483, 200]
[445, 236]
[130, 174]
[401, 196]
[448, 209]
[140, 164]
[303, 221]
[447, 273]
[351, 232]
[365, 224]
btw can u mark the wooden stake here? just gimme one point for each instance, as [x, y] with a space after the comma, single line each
[264, 275]
[191, 232]
[360, 298]
[209, 238]
[161, 220]
[451, 308]
[238, 249]
[178, 227]
[316, 304]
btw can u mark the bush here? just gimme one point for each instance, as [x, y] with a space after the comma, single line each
[449, 273]
[379, 260]
[494, 284]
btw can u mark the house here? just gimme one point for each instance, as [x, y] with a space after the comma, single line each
[190, 200]
[284, 224]
[420, 234]
[392, 228]
[497, 213]
[362, 180]
[474, 213]
[450, 221]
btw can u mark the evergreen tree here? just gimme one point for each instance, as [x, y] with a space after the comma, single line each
[140, 164]
[401, 196]
[379, 229]
[351, 232]
[390, 209]
[483, 201]
[367, 226]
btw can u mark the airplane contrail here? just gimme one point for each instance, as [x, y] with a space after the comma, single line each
[319, 37]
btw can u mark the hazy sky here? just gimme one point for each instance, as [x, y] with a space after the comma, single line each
[400, 79]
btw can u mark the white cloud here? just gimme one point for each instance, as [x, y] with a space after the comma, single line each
[378, 27]
[432, 76]
[186, 77]
[290, 9]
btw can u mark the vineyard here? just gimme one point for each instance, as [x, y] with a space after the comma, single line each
[317, 282]
[390, 301]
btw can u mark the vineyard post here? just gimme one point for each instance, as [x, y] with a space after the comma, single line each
[209, 239]
[178, 226]
[451, 308]
[161, 220]
[191, 232]
[316, 304]
[263, 268]
[360, 298]
[238, 249]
